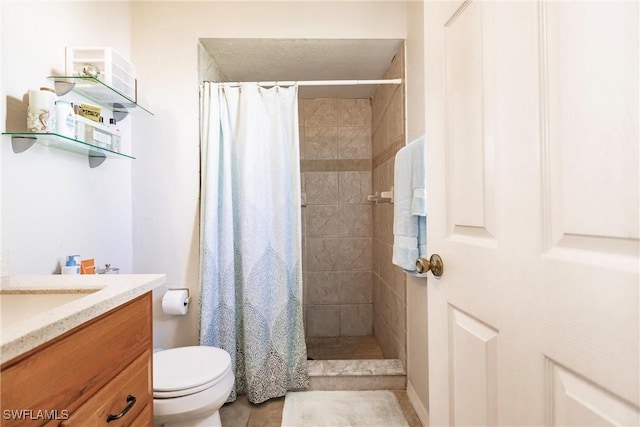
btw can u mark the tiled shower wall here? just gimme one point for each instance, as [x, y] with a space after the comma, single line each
[388, 127]
[336, 148]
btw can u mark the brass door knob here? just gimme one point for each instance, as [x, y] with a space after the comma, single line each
[433, 264]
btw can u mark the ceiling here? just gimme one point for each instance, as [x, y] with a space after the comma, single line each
[249, 60]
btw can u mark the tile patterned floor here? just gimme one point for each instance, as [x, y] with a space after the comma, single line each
[241, 413]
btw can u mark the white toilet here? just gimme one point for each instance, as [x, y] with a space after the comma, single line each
[190, 385]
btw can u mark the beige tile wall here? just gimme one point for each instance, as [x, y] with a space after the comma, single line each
[389, 303]
[336, 155]
[347, 150]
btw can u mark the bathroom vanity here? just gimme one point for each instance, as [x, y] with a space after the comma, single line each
[84, 358]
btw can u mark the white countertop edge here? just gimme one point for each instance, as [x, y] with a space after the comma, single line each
[111, 291]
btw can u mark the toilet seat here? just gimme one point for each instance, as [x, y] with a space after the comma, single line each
[188, 370]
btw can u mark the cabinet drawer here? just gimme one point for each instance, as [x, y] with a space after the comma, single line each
[61, 375]
[112, 399]
[145, 419]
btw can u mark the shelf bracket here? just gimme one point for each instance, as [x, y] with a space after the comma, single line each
[120, 112]
[96, 158]
[20, 144]
[62, 87]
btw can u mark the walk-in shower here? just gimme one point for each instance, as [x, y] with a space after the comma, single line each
[353, 297]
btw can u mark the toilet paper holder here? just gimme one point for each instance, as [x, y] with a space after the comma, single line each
[186, 301]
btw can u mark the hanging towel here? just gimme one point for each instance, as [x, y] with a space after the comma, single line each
[410, 205]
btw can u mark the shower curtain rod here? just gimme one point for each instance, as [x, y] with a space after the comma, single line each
[322, 82]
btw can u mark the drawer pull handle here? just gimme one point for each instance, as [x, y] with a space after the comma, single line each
[131, 400]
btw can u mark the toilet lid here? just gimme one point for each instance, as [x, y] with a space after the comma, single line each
[185, 368]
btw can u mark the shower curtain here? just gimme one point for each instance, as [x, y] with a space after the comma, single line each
[251, 257]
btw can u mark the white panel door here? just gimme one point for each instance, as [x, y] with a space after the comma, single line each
[533, 155]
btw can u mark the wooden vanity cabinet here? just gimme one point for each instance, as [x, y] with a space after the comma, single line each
[88, 373]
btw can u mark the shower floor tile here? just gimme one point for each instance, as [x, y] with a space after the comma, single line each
[343, 348]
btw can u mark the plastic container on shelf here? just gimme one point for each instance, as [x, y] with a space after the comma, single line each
[115, 136]
[93, 133]
[65, 119]
[110, 66]
[41, 113]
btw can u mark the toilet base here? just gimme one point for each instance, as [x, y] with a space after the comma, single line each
[194, 410]
[212, 420]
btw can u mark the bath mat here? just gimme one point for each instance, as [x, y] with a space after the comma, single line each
[342, 408]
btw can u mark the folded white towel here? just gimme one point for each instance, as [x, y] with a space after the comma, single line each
[410, 205]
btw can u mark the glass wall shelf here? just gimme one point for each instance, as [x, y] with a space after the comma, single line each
[97, 91]
[22, 141]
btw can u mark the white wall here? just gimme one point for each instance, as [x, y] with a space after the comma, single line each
[3, 115]
[52, 203]
[417, 343]
[166, 174]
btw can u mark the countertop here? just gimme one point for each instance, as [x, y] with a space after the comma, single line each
[104, 292]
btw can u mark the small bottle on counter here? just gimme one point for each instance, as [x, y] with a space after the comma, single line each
[71, 266]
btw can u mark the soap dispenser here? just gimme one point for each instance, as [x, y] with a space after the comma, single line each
[72, 266]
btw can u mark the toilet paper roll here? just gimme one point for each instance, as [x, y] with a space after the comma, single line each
[175, 302]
